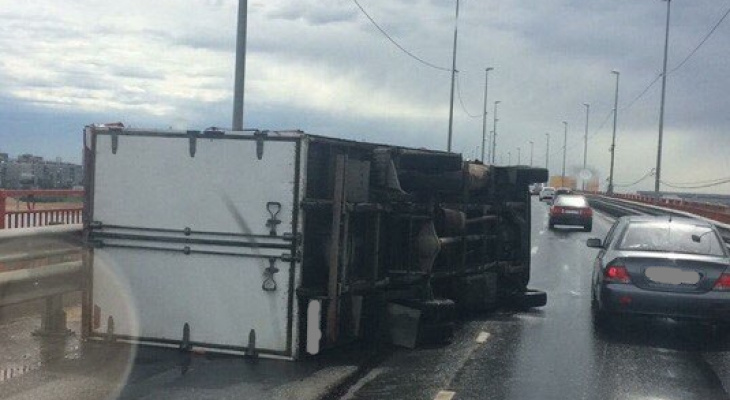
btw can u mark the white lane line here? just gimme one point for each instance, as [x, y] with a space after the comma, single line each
[534, 250]
[444, 395]
[483, 336]
[542, 232]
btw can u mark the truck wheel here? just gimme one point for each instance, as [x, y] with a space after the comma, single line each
[588, 227]
[551, 226]
[532, 298]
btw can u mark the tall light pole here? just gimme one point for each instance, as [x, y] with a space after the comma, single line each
[509, 158]
[585, 143]
[453, 78]
[484, 116]
[240, 74]
[532, 147]
[658, 175]
[519, 156]
[565, 148]
[494, 136]
[547, 151]
[613, 139]
[490, 156]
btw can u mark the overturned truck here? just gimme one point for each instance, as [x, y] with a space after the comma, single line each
[284, 244]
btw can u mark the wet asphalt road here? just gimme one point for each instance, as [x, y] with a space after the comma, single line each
[554, 353]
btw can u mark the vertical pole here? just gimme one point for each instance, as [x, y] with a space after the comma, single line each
[333, 285]
[2, 209]
[613, 139]
[547, 152]
[585, 144]
[453, 78]
[494, 136]
[519, 156]
[565, 148]
[509, 158]
[532, 145]
[240, 74]
[484, 116]
[657, 178]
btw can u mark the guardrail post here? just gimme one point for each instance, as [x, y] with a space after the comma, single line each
[2, 209]
[53, 321]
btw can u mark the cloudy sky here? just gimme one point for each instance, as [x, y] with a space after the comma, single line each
[321, 66]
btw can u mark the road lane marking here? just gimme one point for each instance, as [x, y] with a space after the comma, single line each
[534, 250]
[483, 336]
[444, 395]
[542, 232]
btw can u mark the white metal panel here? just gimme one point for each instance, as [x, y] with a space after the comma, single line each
[153, 294]
[152, 182]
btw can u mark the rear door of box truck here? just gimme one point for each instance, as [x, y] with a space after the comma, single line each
[192, 238]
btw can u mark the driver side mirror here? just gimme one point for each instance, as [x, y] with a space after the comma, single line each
[595, 243]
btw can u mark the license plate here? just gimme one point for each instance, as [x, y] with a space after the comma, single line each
[672, 276]
[572, 212]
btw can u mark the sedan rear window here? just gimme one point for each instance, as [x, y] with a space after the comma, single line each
[571, 201]
[671, 237]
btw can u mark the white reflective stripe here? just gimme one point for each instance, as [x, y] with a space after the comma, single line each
[483, 336]
[444, 395]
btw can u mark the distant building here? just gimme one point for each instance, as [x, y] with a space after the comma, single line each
[33, 172]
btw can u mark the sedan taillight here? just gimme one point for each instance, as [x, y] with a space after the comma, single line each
[723, 283]
[556, 210]
[616, 273]
[586, 212]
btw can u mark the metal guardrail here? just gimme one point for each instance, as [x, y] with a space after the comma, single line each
[32, 217]
[716, 212]
[41, 263]
[619, 207]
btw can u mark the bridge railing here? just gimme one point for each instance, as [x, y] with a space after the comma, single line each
[32, 215]
[715, 212]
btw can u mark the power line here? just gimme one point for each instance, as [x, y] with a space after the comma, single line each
[681, 64]
[695, 186]
[461, 101]
[403, 49]
[692, 53]
[700, 182]
[648, 174]
[643, 92]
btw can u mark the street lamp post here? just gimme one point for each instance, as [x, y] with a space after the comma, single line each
[565, 148]
[240, 72]
[532, 147]
[490, 156]
[494, 136]
[585, 144]
[547, 151]
[509, 158]
[519, 158]
[484, 116]
[613, 139]
[657, 178]
[453, 78]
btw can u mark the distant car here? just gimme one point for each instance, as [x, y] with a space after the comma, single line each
[547, 193]
[571, 210]
[535, 189]
[563, 190]
[657, 266]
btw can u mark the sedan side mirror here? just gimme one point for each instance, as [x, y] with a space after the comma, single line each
[595, 243]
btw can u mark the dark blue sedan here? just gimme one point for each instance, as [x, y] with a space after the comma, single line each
[661, 266]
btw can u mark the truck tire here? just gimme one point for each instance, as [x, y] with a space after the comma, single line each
[588, 227]
[436, 334]
[551, 226]
[531, 299]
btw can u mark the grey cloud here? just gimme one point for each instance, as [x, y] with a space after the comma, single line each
[316, 13]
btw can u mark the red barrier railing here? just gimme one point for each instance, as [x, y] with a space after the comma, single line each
[31, 216]
[716, 212]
